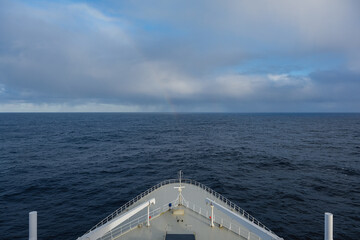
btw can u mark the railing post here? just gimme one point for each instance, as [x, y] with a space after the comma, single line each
[212, 215]
[328, 226]
[148, 216]
[33, 225]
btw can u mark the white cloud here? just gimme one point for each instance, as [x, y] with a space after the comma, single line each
[65, 55]
[237, 86]
[162, 78]
[88, 107]
[82, 8]
[263, 87]
[2, 89]
[287, 80]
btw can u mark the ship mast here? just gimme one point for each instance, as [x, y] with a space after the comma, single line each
[180, 187]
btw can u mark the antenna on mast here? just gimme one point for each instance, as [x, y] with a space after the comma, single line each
[180, 174]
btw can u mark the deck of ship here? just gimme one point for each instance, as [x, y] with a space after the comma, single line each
[190, 223]
[194, 199]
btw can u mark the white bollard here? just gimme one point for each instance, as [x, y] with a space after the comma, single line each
[33, 225]
[328, 226]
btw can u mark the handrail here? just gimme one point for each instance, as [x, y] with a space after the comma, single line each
[123, 228]
[237, 229]
[230, 204]
[118, 211]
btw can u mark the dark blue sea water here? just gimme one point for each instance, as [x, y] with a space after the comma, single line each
[74, 169]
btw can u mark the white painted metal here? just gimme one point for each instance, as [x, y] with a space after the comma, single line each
[162, 184]
[148, 216]
[212, 215]
[192, 197]
[261, 232]
[100, 231]
[180, 188]
[33, 225]
[225, 223]
[117, 232]
[328, 226]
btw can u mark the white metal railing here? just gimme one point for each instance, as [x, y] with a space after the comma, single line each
[218, 196]
[230, 204]
[131, 202]
[140, 221]
[234, 227]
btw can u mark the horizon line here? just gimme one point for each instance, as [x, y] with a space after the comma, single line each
[190, 112]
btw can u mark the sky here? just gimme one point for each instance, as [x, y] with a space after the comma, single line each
[180, 56]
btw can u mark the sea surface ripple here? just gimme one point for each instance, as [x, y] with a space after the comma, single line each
[76, 168]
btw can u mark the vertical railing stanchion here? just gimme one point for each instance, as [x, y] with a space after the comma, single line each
[33, 225]
[148, 216]
[328, 226]
[212, 215]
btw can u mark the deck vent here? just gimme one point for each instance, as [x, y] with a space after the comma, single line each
[180, 237]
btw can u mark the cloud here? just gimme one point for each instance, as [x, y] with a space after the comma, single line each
[337, 86]
[228, 56]
[88, 107]
[90, 12]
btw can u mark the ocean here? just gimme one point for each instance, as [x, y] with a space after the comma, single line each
[76, 168]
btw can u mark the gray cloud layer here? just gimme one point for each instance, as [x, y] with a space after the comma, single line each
[182, 56]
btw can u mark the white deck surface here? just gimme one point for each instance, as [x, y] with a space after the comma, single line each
[193, 223]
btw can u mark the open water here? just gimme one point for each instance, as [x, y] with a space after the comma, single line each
[76, 168]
